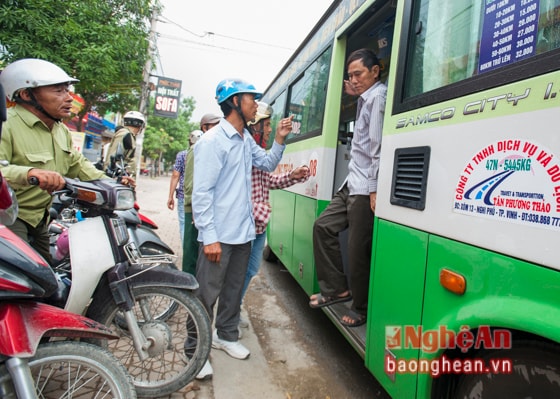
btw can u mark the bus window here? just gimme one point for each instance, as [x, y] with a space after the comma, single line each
[279, 111]
[549, 29]
[451, 41]
[307, 97]
[444, 46]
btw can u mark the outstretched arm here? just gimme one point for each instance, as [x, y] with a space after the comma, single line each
[283, 129]
[283, 180]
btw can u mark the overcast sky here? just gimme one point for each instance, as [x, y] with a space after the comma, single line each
[249, 39]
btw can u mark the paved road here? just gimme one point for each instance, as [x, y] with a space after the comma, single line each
[231, 376]
[296, 353]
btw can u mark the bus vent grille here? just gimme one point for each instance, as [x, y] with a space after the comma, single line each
[410, 177]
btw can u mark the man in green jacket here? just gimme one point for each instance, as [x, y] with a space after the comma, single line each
[133, 122]
[38, 145]
[190, 243]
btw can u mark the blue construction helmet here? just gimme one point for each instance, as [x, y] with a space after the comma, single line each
[229, 87]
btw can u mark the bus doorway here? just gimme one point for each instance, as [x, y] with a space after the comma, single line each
[375, 31]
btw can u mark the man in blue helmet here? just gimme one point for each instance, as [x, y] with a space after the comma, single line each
[222, 210]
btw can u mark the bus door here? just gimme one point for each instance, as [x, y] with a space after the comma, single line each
[375, 31]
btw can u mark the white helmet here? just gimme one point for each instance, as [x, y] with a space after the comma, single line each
[195, 135]
[30, 73]
[134, 118]
[264, 111]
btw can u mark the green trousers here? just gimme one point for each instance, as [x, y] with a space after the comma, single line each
[190, 245]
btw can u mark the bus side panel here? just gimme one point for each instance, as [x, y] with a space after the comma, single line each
[395, 300]
[303, 262]
[281, 226]
[290, 235]
[500, 292]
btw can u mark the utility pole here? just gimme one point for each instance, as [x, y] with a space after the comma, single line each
[145, 95]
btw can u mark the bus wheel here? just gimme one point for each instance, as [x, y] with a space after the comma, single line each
[534, 373]
[268, 255]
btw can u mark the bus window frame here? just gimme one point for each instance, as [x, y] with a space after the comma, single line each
[288, 89]
[538, 65]
[316, 132]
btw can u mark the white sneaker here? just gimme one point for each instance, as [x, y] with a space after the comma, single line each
[232, 348]
[206, 372]
[243, 323]
[239, 332]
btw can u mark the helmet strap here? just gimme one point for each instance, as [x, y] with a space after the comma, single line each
[34, 103]
[237, 108]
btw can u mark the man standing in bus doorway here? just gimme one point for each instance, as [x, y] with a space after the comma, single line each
[353, 206]
[221, 205]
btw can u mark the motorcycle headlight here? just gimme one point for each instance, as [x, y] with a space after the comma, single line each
[125, 199]
[119, 231]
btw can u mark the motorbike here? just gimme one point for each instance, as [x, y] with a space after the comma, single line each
[141, 229]
[164, 330]
[34, 363]
[144, 220]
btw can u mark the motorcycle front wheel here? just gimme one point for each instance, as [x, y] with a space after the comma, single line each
[180, 343]
[74, 370]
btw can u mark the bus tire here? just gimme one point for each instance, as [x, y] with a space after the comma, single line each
[535, 373]
[268, 255]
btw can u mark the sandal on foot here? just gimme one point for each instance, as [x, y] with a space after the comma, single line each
[356, 319]
[319, 301]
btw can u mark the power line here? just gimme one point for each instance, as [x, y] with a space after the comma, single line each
[182, 27]
[199, 44]
[206, 34]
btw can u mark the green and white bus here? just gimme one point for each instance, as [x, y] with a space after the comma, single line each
[465, 277]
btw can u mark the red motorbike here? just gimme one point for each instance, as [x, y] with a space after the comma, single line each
[31, 365]
[36, 360]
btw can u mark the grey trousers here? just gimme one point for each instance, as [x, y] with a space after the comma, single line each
[352, 212]
[223, 282]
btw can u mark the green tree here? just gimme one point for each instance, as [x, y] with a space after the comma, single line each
[104, 43]
[165, 137]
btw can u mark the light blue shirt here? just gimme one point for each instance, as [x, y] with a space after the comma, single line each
[221, 198]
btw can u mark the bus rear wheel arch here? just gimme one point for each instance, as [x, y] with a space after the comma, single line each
[535, 372]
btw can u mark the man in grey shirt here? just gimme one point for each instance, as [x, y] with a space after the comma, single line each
[353, 206]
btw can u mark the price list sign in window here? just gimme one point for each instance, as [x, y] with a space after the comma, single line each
[509, 32]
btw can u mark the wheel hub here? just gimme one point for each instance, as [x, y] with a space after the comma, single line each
[159, 336]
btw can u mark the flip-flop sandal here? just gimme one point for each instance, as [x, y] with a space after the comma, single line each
[356, 319]
[321, 301]
[315, 296]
